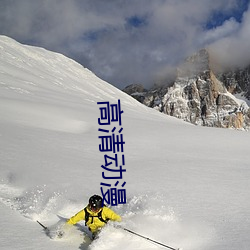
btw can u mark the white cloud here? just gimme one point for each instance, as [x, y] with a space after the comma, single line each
[233, 50]
[97, 32]
[228, 28]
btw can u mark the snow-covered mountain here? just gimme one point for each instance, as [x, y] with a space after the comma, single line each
[201, 96]
[187, 186]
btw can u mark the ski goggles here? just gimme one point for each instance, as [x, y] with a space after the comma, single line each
[94, 208]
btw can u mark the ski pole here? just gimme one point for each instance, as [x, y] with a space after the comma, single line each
[45, 228]
[159, 243]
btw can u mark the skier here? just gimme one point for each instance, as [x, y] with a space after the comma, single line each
[95, 214]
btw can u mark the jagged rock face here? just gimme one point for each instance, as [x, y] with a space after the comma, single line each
[237, 81]
[205, 102]
[199, 97]
[137, 91]
[133, 88]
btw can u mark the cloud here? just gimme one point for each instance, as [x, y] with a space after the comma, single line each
[228, 28]
[233, 49]
[121, 41]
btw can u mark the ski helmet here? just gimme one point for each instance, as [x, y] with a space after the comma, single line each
[95, 202]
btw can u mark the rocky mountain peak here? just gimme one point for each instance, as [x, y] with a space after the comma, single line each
[196, 64]
[200, 96]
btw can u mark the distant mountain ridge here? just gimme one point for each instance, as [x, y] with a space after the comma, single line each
[200, 95]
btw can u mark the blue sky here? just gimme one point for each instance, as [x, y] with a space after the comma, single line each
[131, 41]
[218, 17]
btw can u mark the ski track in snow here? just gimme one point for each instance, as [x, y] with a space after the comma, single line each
[145, 214]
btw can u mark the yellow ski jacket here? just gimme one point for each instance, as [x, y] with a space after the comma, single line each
[94, 223]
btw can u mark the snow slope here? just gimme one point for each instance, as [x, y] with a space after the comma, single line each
[187, 186]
